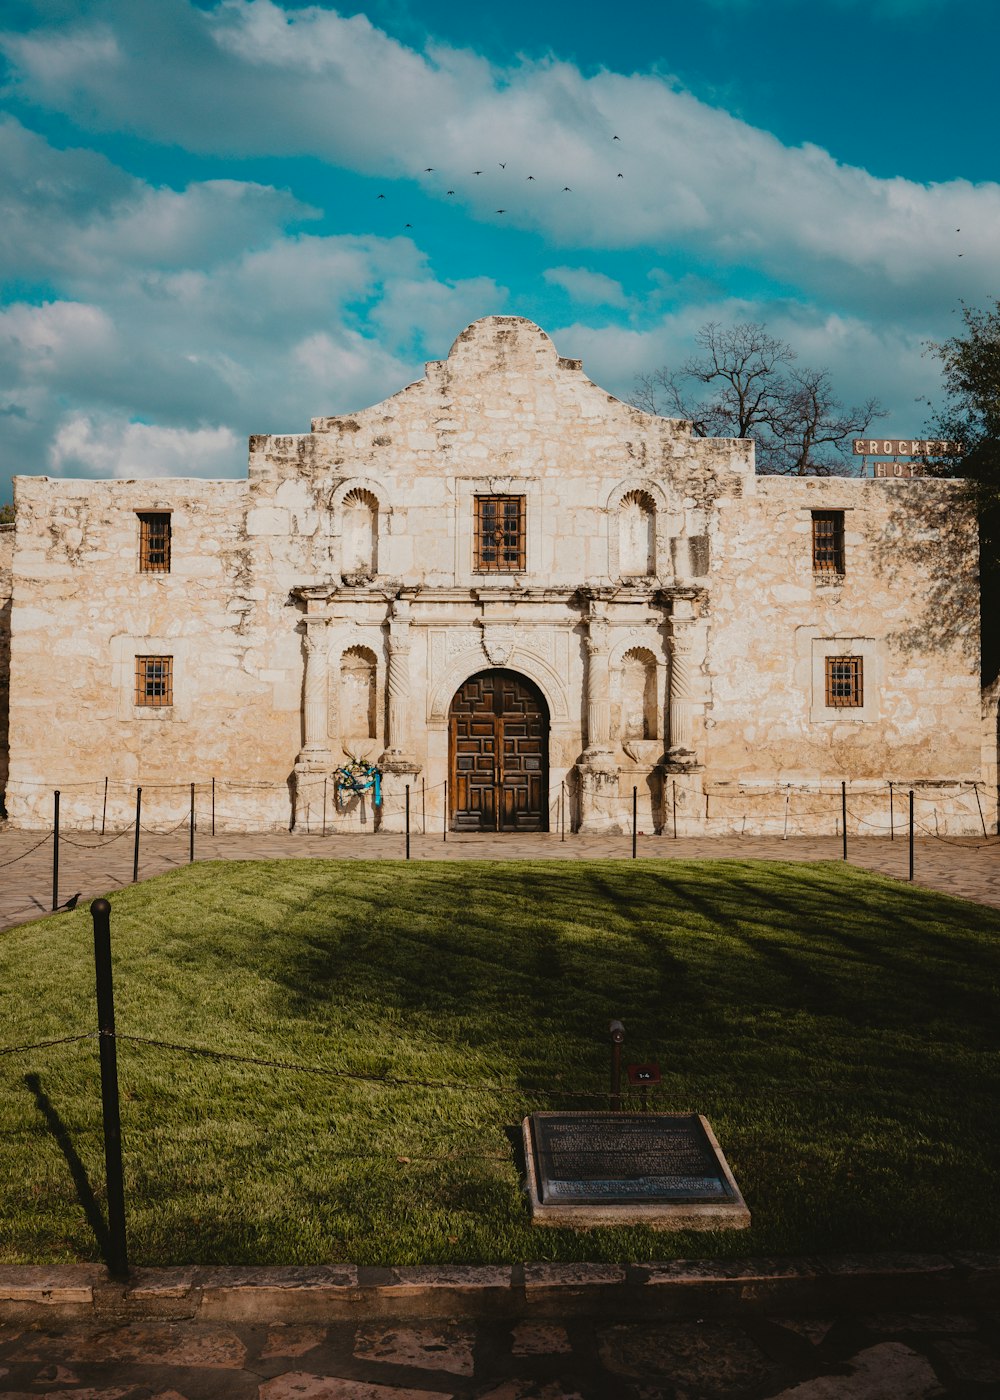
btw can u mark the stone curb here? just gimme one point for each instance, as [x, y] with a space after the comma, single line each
[672, 1288]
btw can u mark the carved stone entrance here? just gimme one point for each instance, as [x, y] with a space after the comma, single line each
[498, 750]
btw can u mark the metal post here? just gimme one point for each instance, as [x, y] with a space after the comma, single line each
[191, 837]
[673, 788]
[213, 806]
[843, 813]
[635, 804]
[407, 821]
[138, 814]
[55, 849]
[911, 833]
[975, 789]
[444, 815]
[788, 798]
[892, 817]
[118, 1249]
[324, 806]
[104, 813]
[617, 1033]
[562, 810]
[423, 808]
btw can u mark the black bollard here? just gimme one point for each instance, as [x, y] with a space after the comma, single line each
[104, 809]
[407, 821]
[55, 849]
[191, 830]
[843, 813]
[138, 814]
[635, 806]
[118, 1249]
[892, 817]
[444, 815]
[911, 833]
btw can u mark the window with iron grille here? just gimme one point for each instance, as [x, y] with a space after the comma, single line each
[499, 539]
[828, 541]
[844, 682]
[154, 681]
[154, 542]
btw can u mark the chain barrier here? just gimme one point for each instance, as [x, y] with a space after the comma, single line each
[44, 1044]
[99, 845]
[35, 847]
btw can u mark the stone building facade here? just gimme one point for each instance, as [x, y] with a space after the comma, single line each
[522, 599]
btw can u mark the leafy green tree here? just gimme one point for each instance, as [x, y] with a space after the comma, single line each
[744, 384]
[970, 364]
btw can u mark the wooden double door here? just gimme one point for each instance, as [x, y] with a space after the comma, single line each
[498, 748]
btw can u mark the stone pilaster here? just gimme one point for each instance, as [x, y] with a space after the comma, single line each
[682, 694]
[398, 767]
[315, 759]
[598, 771]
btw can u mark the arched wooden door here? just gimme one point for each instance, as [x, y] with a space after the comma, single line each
[498, 750]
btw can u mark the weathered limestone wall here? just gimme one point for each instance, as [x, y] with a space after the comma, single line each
[6, 562]
[84, 611]
[667, 611]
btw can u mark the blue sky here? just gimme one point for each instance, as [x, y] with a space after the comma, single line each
[194, 247]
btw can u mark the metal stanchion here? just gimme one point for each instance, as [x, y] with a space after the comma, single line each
[673, 789]
[423, 808]
[118, 1248]
[104, 810]
[562, 811]
[407, 821]
[843, 813]
[975, 789]
[911, 834]
[55, 849]
[444, 815]
[892, 818]
[324, 806]
[138, 814]
[191, 838]
[213, 806]
[635, 806]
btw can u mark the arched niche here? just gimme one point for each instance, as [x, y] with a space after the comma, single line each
[639, 527]
[359, 518]
[638, 695]
[358, 699]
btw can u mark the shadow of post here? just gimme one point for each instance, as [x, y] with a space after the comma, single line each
[84, 1190]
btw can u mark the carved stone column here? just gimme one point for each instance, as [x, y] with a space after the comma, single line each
[398, 767]
[682, 694]
[315, 759]
[599, 799]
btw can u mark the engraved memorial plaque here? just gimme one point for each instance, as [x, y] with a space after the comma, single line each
[662, 1169]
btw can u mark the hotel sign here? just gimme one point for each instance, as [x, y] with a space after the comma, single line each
[905, 447]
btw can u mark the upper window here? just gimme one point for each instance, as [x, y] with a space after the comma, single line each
[828, 541]
[844, 682]
[154, 542]
[154, 681]
[499, 540]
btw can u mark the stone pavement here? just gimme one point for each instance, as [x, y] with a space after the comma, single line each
[92, 865]
[888, 1355]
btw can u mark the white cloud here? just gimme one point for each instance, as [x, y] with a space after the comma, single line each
[111, 446]
[249, 76]
[587, 287]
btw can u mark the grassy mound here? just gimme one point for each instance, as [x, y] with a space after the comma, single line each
[838, 1029]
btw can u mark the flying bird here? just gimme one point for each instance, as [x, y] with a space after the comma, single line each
[380, 196]
[407, 225]
[616, 138]
[477, 172]
[503, 165]
[531, 177]
[566, 189]
[449, 191]
[501, 211]
[620, 175]
[428, 170]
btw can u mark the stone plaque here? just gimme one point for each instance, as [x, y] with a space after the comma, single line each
[661, 1169]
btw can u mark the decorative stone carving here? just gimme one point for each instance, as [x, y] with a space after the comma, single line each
[499, 641]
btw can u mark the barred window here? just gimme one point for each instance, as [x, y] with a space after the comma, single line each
[844, 682]
[828, 541]
[499, 539]
[154, 542]
[154, 681]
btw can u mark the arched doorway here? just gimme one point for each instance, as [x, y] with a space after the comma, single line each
[498, 754]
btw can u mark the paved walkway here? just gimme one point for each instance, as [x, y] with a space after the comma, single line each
[91, 865]
[889, 1355]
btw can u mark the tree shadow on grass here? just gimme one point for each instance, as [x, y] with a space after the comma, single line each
[84, 1190]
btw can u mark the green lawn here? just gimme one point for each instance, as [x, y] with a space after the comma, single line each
[839, 1030]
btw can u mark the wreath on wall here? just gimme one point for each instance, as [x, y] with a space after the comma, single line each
[356, 777]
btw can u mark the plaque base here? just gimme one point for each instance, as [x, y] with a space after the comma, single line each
[662, 1170]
